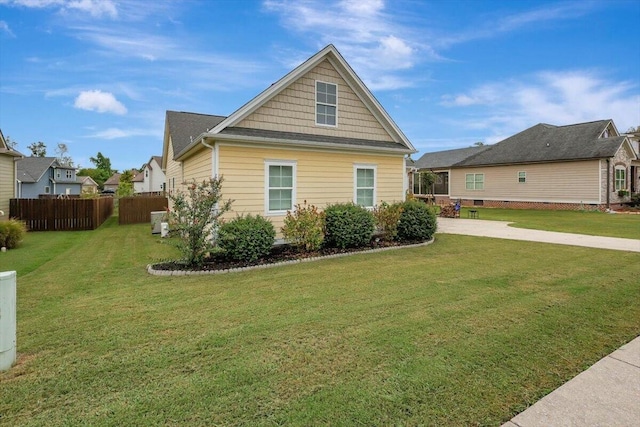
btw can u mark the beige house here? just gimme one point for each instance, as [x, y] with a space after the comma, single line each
[580, 166]
[7, 176]
[316, 135]
[89, 186]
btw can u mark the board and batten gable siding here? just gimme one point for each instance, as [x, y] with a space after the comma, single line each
[322, 177]
[7, 184]
[293, 110]
[565, 182]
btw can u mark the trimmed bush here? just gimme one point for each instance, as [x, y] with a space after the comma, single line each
[417, 221]
[11, 233]
[348, 226]
[247, 238]
[387, 217]
[304, 227]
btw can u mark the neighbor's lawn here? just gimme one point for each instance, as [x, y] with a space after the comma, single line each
[466, 331]
[593, 223]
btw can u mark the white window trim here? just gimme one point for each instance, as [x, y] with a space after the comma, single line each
[315, 112]
[624, 178]
[475, 182]
[268, 163]
[357, 166]
[525, 177]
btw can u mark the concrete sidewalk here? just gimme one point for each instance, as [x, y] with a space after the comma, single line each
[502, 230]
[606, 394]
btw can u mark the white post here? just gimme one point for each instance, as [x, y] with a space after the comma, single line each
[7, 319]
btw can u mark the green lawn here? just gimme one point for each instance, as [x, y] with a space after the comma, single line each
[581, 222]
[465, 331]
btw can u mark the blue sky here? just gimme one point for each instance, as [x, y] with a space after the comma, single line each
[98, 75]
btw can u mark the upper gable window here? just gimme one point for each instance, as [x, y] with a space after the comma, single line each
[69, 174]
[326, 104]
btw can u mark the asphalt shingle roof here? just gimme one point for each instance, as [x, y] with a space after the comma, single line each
[548, 143]
[295, 136]
[183, 127]
[31, 169]
[448, 158]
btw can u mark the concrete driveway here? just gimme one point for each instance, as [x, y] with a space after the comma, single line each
[502, 230]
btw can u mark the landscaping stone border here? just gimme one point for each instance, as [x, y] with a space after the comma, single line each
[154, 272]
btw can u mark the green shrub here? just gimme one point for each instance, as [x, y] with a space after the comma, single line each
[247, 238]
[194, 216]
[304, 227]
[387, 217]
[348, 225]
[417, 221]
[11, 233]
[635, 199]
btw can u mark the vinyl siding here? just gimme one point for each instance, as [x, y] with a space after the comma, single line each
[174, 170]
[568, 182]
[198, 166]
[7, 184]
[293, 110]
[322, 177]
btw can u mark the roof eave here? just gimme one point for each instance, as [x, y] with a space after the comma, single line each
[306, 144]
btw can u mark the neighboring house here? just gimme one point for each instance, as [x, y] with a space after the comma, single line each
[138, 182]
[8, 171]
[88, 185]
[151, 179]
[439, 163]
[45, 176]
[580, 166]
[112, 183]
[316, 135]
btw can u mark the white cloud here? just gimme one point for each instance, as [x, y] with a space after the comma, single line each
[373, 43]
[116, 133]
[4, 28]
[102, 102]
[95, 8]
[553, 97]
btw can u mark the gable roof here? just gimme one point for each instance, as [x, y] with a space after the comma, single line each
[158, 160]
[86, 180]
[548, 143]
[446, 159]
[113, 179]
[4, 147]
[185, 127]
[31, 169]
[225, 128]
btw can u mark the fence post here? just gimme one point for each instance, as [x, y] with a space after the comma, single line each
[7, 319]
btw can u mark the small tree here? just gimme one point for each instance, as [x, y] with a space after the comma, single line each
[125, 186]
[38, 149]
[195, 216]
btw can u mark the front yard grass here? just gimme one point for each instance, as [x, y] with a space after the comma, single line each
[465, 331]
[581, 222]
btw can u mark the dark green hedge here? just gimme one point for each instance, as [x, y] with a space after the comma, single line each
[348, 226]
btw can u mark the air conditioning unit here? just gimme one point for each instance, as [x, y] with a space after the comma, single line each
[157, 218]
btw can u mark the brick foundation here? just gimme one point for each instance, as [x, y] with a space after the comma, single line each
[536, 205]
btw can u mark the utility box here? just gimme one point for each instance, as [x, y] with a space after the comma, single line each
[7, 319]
[157, 218]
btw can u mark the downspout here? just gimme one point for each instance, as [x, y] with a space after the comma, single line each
[608, 183]
[214, 157]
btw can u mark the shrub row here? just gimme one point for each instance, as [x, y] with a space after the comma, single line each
[342, 225]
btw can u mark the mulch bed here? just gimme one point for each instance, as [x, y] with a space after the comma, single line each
[280, 253]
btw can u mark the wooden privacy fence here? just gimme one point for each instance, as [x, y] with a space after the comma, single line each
[61, 214]
[136, 209]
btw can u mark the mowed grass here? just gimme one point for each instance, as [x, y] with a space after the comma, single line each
[581, 222]
[465, 331]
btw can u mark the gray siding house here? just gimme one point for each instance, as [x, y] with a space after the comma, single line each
[45, 176]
